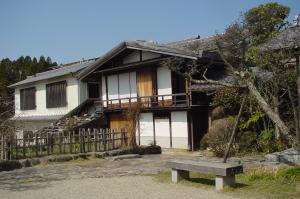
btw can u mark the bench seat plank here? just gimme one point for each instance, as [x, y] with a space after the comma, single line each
[214, 168]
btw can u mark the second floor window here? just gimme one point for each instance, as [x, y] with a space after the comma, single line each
[56, 94]
[27, 99]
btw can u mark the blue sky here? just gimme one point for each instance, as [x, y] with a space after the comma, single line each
[69, 30]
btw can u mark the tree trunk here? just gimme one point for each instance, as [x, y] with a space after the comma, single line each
[276, 110]
[268, 110]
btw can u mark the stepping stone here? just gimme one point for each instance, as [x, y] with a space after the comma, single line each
[128, 156]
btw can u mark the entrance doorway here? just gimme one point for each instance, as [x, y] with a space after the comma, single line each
[93, 90]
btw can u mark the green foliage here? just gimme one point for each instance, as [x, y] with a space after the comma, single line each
[267, 143]
[17, 70]
[229, 99]
[254, 118]
[265, 21]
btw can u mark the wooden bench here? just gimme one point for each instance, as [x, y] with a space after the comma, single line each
[224, 172]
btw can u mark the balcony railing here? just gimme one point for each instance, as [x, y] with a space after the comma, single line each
[155, 101]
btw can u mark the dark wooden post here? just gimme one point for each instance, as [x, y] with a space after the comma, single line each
[48, 144]
[59, 142]
[36, 145]
[16, 137]
[95, 140]
[70, 142]
[24, 144]
[80, 141]
[113, 138]
[235, 128]
[104, 138]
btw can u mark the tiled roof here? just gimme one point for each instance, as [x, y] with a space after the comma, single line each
[64, 70]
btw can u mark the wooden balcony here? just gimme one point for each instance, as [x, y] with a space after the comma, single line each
[180, 100]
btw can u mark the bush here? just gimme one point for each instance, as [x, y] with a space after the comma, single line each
[219, 135]
[267, 143]
[218, 113]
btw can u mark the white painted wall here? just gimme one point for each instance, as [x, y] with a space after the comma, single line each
[146, 129]
[179, 125]
[74, 96]
[164, 84]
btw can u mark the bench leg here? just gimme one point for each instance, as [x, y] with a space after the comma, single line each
[221, 181]
[177, 175]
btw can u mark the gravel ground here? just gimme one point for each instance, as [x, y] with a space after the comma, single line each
[98, 178]
[130, 187]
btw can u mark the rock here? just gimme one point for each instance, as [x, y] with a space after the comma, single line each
[8, 165]
[25, 163]
[60, 158]
[128, 156]
[152, 149]
[289, 156]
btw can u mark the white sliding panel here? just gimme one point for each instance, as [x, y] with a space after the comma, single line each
[133, 86]
[162, 132]
[179, 126]
[113, 88]
[124, 87]
[164, 84]
[104, 94]
[146, 129]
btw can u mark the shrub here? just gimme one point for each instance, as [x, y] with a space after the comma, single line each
[218, 113]
[219, 134]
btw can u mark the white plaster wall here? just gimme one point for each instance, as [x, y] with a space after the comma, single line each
[132, 57]
[146, 129]
[162, 132]
[149, 55]
[41, 110]
[179, 125]
[133, 85]
[164, 84]
[82, 91]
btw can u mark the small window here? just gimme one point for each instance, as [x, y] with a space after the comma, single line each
[27, 98]
[56, 94]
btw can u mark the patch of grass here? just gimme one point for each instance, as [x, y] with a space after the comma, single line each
[261, 182]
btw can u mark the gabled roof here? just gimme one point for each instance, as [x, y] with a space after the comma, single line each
[196, 44]
[64, 70]
[140, 45]
[289, 38]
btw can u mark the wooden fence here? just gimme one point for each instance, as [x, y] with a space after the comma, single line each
[82, 141]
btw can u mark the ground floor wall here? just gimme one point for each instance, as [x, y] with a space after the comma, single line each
[180, 129]
[168, 129]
